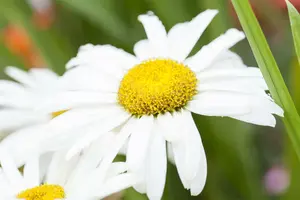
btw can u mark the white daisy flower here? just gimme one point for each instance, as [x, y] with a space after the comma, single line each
[148, 99]
[18, 101]
[54, 178]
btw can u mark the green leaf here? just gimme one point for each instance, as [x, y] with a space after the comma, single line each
[98, 12]
[295, 25]
[269, 68]
[131, 194]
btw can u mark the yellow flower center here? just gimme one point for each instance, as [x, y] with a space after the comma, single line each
[55, 114]
[157, 86]
[43, 192]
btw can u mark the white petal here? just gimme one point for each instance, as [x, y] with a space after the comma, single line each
[93, 155]
[139, 142]
[199, 182]
[107, 124]
[183, 36]
[217, 73]
[24, 143]
[156, 166]
[20, 76]
[171, 125]
[156, 33]
[179, 151]
[258, 83]
[11, 87]
[114, 185]
[193, 148]
[73, 99]
[205, 57]
[120, 139]
[259, 118]
[228, 59]
[105, 57]
[220, 104]
[234, 86]
[10, 170]
[170, 153]
[116, 168]
[89, 79]
[144, 50]
[76, 118]
[12, 119]
[31, 172]
[59, 168]
[43, 76]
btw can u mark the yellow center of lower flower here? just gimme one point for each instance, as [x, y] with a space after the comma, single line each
[157, 86]
[55, 114]
[43, 192]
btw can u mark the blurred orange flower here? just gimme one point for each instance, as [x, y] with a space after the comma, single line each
[17, 41]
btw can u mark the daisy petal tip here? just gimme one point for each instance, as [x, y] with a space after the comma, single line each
[195, 192]
[236, 33]
[71, 63]
[213, 12]
[147, 16]
[86, 47]
[10, 70]
[272, 123]
[281, 112]
[71, 153]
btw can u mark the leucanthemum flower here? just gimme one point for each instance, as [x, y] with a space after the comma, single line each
[51, 177]
[19, 117]
[148, 99]
[18, 100]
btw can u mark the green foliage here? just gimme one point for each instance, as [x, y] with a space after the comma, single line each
[237, 153]
[295, 25]
[269, 68]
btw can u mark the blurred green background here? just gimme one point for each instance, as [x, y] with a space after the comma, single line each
[245, 162]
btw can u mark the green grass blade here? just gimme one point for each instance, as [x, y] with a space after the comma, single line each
[96, 12]
[269, 68]
[295, 25]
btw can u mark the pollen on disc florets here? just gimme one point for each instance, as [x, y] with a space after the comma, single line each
[157, 86]
[43, 192]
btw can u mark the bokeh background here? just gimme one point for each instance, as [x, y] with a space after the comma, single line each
[245, 162]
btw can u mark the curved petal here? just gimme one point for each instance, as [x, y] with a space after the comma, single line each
[108, 58]
[11, 87]
[89, 79]
[113, 185]
[198, 182]
[144, 50]
[193, 148]
[179, 152]
[31, 172]
[75, 99]
[216, 103]
[171, 125]
[205, 57]
[156, 33]
[11, 170]
[228, 59]
[156, 168]
[183, 36]
[12, 119]
[108, 123]
[43, 76]
[138, 144]
[20, 76]
[60, 168]
[257, 117]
